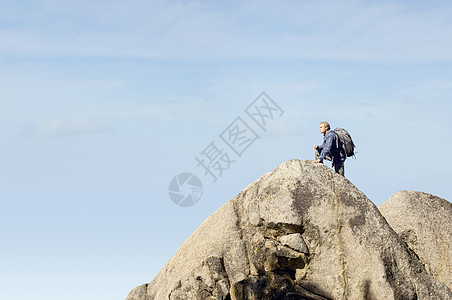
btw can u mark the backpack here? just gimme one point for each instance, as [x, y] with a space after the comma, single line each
[348, 147]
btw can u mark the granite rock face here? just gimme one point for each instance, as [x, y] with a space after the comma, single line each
[300, 231]
[424, 223]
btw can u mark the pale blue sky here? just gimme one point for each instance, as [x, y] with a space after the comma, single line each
[104, 102]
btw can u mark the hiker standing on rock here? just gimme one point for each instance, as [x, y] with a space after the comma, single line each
[330, 149]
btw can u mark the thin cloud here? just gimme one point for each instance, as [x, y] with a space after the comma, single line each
[350, 30]
[428, 89]
[54, 128]
[286, 126]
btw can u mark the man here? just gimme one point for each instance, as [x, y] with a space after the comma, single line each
[330, 149]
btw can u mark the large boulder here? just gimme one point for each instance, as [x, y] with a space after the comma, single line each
[300, 231]
[424, 223]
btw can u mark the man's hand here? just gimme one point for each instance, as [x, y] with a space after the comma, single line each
[315, 146]
[317, 161]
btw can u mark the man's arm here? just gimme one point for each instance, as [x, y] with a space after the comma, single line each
[319, 149]
[326, 149]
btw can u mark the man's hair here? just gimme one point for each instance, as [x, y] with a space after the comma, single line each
[326, 125]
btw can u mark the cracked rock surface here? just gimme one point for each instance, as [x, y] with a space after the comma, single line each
[424, 223]
[300, 231]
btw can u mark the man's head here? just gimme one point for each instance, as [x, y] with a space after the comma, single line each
[324, 127]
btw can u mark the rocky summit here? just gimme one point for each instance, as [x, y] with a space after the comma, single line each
[302, 231]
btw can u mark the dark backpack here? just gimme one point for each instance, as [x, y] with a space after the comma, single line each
[344, 138]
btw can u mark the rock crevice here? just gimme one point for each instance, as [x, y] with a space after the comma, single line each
[303, 232]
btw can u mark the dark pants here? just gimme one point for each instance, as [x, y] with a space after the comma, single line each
[338, 165]
[339, 168]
